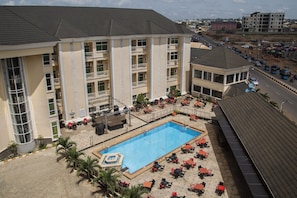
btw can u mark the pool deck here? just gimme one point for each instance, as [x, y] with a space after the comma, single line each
[25, 175]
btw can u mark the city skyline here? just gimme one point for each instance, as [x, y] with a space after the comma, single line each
[180, 9]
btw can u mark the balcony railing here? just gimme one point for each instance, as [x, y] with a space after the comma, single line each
[103, 92]
[138, 49]
[172, 62]
[139, 83]
[172, 77]
[104, 73]
[91, 95]
[139, 66]
[57, 81]
[90, 75]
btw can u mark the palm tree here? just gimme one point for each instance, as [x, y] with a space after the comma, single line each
[63, 145]
[274, 104]
[88, 166]
[265, 96]
[73, 157]
[108, 181]
[134, 192]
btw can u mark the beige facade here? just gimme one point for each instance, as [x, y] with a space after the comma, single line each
[72, 79]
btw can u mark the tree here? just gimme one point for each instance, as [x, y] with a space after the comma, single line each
[265, 96]
[63, 145]
[108, 181]
[88, 166]
[274, 104]
[134, 192]
[73, 157]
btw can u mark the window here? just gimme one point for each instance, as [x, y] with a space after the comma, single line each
[48, 82]
[141, 76]
[217, 94]
[197, 74]
[101, 86]
[141, 42]
[230, 78]
[101, 46]
[173, 72]
[100, 67]
[141, 59]
[206, 91]
[207, 76]
[218, 78]
[173, 41]
[46, 59]
[55, 133]
[197, 88]
[173, 56]
[243, 75]
[51, 105]
[237, 77]
[89, 88]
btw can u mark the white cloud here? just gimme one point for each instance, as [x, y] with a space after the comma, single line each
[239, 1]
[10, 3]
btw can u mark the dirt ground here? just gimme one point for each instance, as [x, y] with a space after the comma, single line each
[257, 53]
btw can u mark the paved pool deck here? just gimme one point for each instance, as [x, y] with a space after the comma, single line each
[40, 175]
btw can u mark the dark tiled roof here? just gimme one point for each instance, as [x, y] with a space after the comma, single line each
[221, 57]
[197, 53]
[17, 30]
[268, 137]
[77, 22]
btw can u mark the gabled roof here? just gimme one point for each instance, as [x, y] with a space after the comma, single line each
[31, 24]
[269, 139]
[17, 30]
[221, 57]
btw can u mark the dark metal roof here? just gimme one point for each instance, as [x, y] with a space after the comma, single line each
[236, 90]
[197, 53]
[77, 22]
[269, 139]
[221, 57]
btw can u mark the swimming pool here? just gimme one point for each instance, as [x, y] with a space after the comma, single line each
[145, 148]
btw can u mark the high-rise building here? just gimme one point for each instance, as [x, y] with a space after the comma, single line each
[65, 63]
[263, 22]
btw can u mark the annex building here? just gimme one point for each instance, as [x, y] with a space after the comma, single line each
[64, 63]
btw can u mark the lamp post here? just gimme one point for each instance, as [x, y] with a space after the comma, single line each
[281, 106]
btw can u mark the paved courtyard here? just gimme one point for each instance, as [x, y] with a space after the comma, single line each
[40, 175]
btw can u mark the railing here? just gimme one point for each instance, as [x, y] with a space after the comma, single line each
[139, 66]
[90, 75]
[103, 73]
[139, 83]
[88, 54]
[138, 49]
[57, 81]
[171, 78]
[103, 92]
[91, 95]
[172, 63]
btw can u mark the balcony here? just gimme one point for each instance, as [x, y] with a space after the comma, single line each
[172, 47]
[139, 84]
[103, 74]
[138, 49]
[54, 60]
[103, 93]
[172, 63]
[139, 66]
[57, 83]
[91, 96]
[172, 78]
[90, 75]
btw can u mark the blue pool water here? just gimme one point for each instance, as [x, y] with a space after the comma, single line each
[145, 148]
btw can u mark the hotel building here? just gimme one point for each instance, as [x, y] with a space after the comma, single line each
[65, 63]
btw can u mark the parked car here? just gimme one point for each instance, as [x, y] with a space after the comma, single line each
[274, 69]
[266, 67]
[285, 74]
[258, 64]
[254, 81]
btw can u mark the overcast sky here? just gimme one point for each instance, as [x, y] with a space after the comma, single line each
[182, 9]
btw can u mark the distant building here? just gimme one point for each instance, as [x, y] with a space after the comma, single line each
[224, 26]
[263, 22]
